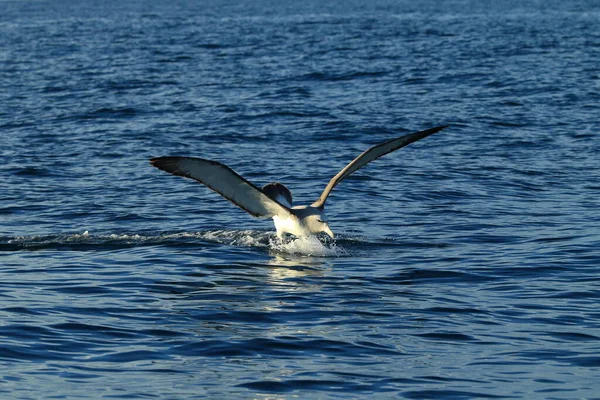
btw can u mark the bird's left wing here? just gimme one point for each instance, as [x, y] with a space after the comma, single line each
[224, 181]
[372, 154]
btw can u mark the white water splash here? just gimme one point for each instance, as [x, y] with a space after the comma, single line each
[307, 246]
[246, 238]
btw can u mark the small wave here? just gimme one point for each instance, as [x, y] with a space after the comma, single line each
[33, 171]
[342, 76]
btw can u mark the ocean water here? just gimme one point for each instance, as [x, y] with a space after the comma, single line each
[466, 265]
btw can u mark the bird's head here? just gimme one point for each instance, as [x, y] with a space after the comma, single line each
[317, 224]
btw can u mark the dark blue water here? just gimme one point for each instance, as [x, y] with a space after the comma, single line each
[465, 266]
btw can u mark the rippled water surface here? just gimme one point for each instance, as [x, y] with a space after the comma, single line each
[466, 265]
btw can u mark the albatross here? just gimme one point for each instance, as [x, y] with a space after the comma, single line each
[274, 200]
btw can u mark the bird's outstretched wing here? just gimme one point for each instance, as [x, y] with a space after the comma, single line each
[224, 181]
[372, 154]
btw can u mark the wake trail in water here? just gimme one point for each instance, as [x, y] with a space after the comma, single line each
[86, 241]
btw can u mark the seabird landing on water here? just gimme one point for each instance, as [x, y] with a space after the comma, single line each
[275, 200]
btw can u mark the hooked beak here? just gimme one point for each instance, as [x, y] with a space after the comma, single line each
[328, 231]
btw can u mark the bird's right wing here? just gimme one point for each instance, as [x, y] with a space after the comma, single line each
[372, 154]
[224, 181]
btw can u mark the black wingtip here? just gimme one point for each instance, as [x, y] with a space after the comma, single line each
[167, 164]
[430, 131]
[439, 128]
[163, 160]
[155, 160]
